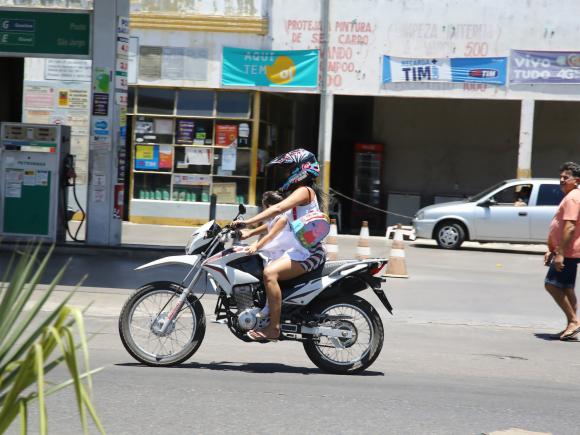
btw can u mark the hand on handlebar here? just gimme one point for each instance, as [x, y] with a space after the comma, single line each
[237, 225]
[245, 234]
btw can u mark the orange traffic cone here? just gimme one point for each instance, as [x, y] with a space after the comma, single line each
[396, 267]
[331, 242]
[363, 251]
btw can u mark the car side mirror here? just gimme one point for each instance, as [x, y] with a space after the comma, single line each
[487, 203]
[242, 209]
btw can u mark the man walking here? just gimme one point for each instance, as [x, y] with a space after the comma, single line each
[563, 253]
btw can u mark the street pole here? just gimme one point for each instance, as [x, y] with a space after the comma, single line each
[326, 105]
[526, 139]
[108, 122]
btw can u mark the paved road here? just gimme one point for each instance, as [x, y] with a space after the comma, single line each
[467, 352]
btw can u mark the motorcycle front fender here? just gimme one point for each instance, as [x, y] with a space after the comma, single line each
[187, 260]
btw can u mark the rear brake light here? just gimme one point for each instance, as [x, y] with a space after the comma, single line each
[375, 270]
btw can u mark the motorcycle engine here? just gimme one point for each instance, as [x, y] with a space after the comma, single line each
[247, 319]
[247, 311]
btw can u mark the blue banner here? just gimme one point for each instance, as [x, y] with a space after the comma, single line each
[246, 67]
[490, 70]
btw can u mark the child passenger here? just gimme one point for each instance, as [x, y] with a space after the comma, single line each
[276, 236]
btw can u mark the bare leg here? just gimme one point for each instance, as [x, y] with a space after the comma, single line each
[564, 301]
[279, 270]
[571, 295]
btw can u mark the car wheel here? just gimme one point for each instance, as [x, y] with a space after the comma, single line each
[450, 235]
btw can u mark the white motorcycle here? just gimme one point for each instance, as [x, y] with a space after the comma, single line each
[163, 323]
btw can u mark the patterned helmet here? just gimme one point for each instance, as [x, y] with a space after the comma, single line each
[302, 164]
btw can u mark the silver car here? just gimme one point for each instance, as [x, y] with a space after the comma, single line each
[511, 211]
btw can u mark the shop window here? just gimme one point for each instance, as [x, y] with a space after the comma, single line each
[152, 186]
[191, 188]
[230, 190]
[233, 133]
[153, 130]
[194, 131]
[193, 160]
[153, 157]
[195, 103]
[233, 104]
[155, 101]
[232, 161]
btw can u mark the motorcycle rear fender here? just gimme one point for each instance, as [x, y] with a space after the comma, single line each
[187, 260]
[354, 284]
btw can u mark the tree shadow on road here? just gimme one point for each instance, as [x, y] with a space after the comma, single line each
[252, 368]
[553, 337]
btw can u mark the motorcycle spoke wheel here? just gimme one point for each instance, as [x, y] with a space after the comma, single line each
[347, 351]
[142, 328]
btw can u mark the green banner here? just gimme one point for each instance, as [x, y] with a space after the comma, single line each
[45, 33]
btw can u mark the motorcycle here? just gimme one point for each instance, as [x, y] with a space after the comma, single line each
[163, 323]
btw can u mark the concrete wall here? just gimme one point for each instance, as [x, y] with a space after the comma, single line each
[449, 147]
[556, 136]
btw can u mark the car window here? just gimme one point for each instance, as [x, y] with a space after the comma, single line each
[549, 194]
[518, 195]
[480, 195]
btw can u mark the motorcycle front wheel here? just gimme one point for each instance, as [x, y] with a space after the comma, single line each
[347, 355]
[143, 316]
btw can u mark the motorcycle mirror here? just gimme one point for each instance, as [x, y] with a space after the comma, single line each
[242, 209]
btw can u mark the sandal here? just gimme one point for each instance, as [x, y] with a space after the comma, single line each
[571, 335]
[260, 337]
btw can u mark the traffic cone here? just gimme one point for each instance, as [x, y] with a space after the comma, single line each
[396, 267]
[363, 251]
[331, 242]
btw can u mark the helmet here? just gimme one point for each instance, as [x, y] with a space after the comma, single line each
[302, 164]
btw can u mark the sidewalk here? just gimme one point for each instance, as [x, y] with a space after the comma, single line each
[143, 239]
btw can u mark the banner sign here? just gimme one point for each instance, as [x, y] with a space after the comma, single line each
[490, 70]
[245, 67]
[529, 67]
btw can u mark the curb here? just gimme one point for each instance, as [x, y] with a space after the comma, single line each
[131, 251]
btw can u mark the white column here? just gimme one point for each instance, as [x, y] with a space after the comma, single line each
[108, 110]
[526, 139]
[326, 104]
[325, 137]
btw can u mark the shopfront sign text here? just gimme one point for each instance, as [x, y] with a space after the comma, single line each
[246, 67]
[532, 67]
[490, 70]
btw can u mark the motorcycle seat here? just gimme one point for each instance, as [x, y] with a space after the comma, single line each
[324, 270]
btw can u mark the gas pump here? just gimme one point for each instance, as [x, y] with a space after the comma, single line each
[35, 166]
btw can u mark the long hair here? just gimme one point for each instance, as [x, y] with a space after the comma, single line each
[321, 197]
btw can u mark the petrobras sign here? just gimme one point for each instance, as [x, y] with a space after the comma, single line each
[247, 67]
[531, 67]
[490, 70]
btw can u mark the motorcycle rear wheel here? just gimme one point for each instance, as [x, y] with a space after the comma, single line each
[138, 331]
[357, 353]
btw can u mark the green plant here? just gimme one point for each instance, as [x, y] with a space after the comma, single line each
[28, 352]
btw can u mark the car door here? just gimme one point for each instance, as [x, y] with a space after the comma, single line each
[544, 206]
[503, 216]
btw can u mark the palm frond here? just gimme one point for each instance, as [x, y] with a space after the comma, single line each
[28, 353]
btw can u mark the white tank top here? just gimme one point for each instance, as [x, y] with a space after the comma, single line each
[286, 243]
[298, 252]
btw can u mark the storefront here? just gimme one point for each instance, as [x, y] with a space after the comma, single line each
[187, 144]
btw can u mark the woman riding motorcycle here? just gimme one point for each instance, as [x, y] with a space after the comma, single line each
[302, 198]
